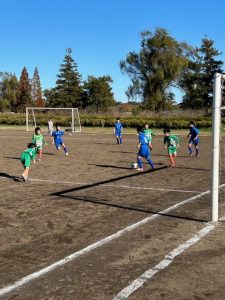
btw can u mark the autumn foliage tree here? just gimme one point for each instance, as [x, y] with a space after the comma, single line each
[23, 97]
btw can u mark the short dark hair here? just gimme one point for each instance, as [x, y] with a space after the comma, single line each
[166, 130]
[192, 123]
[36, 129]
[139, 128]
[118, 119]
[31, 145]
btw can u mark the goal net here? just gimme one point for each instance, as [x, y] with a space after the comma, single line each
[68, 118]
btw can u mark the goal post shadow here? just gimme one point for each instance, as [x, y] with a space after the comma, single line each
[99, 183]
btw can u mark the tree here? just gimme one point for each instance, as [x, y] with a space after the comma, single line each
[68, 90]
[197, 80]
[156, 67]
[8, 90]
[36, 91]
[99, 92]
[23, 97]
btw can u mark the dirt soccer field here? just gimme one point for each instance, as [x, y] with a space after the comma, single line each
[87, 226]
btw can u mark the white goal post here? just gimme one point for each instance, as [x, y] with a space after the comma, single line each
[216, 123]
[75, 124]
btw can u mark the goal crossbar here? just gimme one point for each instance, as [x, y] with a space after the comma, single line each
[53, 108]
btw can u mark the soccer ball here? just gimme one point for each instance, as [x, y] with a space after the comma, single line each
[134, 165]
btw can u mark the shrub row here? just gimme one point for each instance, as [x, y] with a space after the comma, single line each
[108, 121]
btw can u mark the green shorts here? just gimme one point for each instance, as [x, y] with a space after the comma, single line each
[25, 159]
[172, 151]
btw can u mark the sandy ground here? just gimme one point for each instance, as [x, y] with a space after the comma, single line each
[93, 193]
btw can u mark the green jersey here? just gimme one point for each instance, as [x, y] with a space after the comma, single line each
[171, 141]
[27, 156]
[148, 133]
[38, 140]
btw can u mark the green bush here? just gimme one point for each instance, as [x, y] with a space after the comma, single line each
[108, 121]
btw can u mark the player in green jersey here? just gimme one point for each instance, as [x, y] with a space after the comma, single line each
[27, 156]
[38, 140]
[171, 143]
[149, 134]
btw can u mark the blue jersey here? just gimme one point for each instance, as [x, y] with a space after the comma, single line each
[57, 136]
[194, 132]
[144, 148]
[143, 140]
[118, 127]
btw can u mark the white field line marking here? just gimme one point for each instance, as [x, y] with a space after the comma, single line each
[94, 246]
[116, 185]
[168, 259]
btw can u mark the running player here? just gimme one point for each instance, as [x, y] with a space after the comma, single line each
[118, 128]
[194, 139]
[144, 150]
[38, 140]
[27, 156]
[171, 143]
[57, 139]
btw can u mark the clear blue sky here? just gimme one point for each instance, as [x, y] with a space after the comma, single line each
[100, 33]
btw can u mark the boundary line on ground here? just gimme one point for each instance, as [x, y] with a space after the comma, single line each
[88, 249]
[168, 259]
[116, 185]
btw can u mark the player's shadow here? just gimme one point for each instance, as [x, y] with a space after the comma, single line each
[10, 157]
[166, 155]
[15, 178]
[109, 166]
[125, 152]
[130, 208]
[194, 169]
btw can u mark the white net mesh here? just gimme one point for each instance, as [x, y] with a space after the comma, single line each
[66, 117]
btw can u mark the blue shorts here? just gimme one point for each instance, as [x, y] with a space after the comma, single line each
[144, 152]
[118, 133]
[194, 142]
[58, 144]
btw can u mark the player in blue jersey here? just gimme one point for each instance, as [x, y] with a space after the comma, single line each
[118, 128]
[57, 139]
[194, 139]
[144, 150]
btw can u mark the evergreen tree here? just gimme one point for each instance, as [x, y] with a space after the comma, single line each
[23, 92]
[36, 91]
[99, 92]
[68, 91]
[197, 80]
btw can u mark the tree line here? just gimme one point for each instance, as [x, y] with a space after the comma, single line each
[161, 63]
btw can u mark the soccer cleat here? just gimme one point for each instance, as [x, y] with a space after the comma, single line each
[191, 154]
[66, 153]
[197, 155]
[139, 169]
[24, 178]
